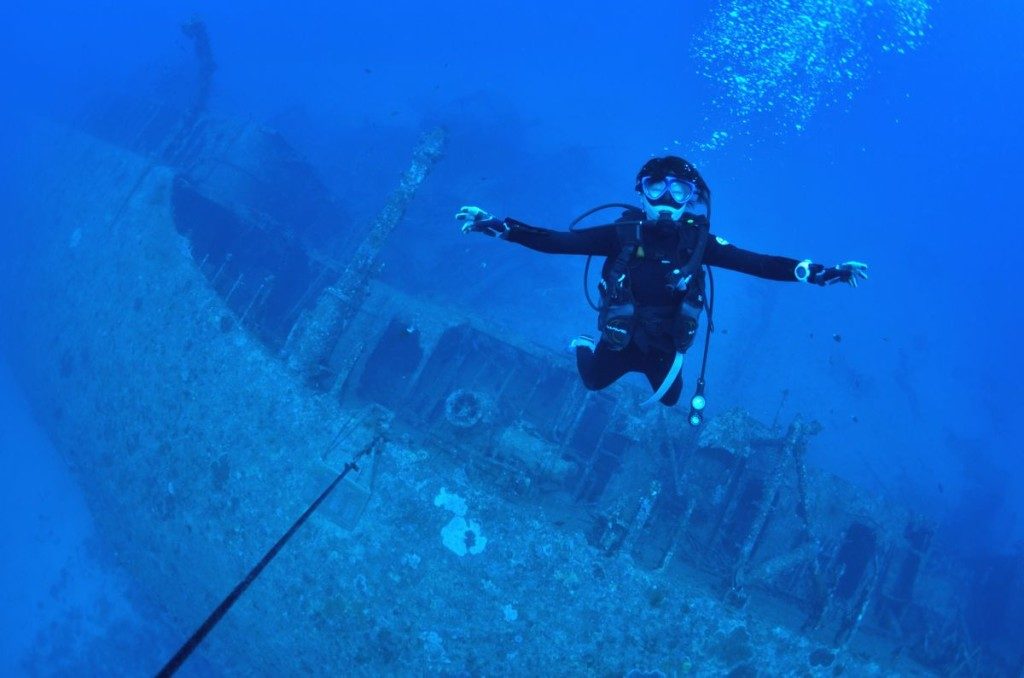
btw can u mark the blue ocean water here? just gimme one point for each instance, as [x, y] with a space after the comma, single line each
[886, 132]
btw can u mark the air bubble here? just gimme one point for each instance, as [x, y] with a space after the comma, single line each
[779, 61]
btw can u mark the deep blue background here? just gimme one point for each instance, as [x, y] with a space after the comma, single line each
[552, 111]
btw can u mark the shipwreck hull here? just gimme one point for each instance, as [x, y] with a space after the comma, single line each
[197, 447]
[181, 391]
[184, 434]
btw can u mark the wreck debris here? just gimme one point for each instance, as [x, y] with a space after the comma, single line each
[796, 439]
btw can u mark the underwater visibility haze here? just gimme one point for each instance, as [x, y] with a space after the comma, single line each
[252, 365]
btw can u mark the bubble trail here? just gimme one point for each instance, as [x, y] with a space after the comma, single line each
[776, 62]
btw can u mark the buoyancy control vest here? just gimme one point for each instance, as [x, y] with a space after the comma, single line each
[671, 327]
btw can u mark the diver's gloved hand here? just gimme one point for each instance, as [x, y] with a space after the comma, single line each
[848, 272]
[477, 220]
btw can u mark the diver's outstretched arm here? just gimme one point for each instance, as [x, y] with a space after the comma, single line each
[721, 253]
[601, 240]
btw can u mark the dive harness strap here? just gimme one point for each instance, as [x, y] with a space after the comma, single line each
[696, 260]
[666, 383]
[616, 313]
[628, 210]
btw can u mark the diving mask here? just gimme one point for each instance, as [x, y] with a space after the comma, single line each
[680, 190]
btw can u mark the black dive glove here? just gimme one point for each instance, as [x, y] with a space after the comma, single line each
[477, 220]
[848, 272]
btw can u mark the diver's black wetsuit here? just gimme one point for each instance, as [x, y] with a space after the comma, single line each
[663, 247]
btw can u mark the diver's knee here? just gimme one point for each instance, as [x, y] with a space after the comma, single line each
[590, 383]
[669, 399]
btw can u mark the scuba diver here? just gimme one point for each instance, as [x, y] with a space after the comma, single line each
[652, 287]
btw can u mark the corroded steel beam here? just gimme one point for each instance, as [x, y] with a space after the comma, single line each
[316, 334]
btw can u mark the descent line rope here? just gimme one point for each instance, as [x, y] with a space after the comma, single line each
[218, 613]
